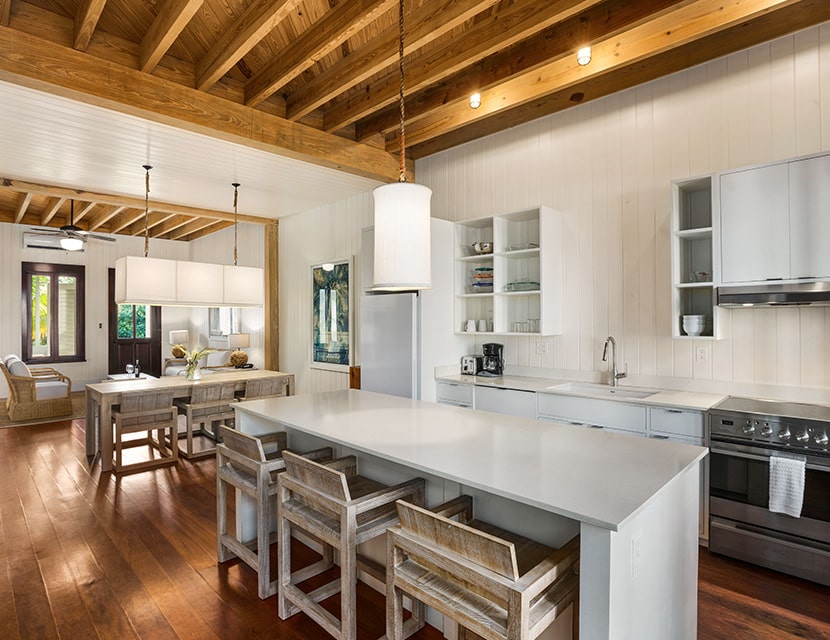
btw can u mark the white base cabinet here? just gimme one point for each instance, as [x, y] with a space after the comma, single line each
[513, 402]
[454, 393]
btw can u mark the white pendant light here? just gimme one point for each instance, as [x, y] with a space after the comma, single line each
[402, 212]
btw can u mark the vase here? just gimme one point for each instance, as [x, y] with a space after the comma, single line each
[193, 372]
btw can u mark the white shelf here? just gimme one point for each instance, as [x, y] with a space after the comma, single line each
[543, 264]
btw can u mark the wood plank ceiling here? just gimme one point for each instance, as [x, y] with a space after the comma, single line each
[317, 80]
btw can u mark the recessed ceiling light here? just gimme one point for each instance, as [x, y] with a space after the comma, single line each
[583, 56]
[475, 101]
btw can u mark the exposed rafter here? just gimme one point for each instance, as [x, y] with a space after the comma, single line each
[85, 22]
[169, 23]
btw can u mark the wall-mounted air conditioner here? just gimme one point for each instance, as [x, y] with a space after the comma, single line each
[38, 241]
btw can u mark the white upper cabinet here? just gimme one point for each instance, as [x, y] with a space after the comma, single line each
[775, 222]
[754, 224]
[810, 218]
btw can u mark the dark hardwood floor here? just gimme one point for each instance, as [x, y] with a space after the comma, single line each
[88, 555]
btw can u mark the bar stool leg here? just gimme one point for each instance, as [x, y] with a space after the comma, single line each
[348, 575]
[285, 608]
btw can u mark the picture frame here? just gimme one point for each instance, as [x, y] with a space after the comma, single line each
[331, 315]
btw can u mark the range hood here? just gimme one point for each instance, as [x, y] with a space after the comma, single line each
[774, 294]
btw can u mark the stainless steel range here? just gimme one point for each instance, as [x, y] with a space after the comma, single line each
[744, 433]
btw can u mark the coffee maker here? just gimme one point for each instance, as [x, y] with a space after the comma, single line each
[493, 361]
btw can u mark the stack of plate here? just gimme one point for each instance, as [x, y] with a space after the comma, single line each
[694, 325]
[482, 280]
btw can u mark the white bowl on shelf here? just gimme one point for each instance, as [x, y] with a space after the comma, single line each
[694, 325]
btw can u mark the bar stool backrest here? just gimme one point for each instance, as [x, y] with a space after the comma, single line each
[493, 553]
[321, 478]
[247, 445]
[265, 388]
[139, 407]
[204, 393]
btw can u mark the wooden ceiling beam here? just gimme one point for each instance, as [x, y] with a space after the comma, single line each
[153, 220]
[51, 208]
[502, 29]
[103, 216]
[126, 218]
[213, 228]
[23, 202]
[169, 23]
[422, 26]
[258, 20]
[81, 212]
[333, 29]
[86, 19]
[445, 75]
[686, 24]
[196, 224]
[167, 226]
[37, 63]
[5, 12]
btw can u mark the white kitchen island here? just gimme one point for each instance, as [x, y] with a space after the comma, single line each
[634, 501]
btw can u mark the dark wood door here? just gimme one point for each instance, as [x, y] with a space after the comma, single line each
[134, 334]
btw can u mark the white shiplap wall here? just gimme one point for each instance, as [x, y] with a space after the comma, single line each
[322, 235]
[98, 258]
[608, 166]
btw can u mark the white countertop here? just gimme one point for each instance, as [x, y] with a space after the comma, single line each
[593, 476]
[662, 397]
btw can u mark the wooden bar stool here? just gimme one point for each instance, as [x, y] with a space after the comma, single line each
[250, 464]
[266, 388]
[340, 509]
[207, 406]
[149, 412]
[494, 583]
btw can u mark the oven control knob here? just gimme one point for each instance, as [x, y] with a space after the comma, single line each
[822, 439]
[766, 430]
[749, 428]
[784, 434]
[803, 437]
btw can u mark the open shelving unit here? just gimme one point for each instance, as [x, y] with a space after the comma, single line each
[527, 251]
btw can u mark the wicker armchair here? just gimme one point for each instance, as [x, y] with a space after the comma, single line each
[44, 393]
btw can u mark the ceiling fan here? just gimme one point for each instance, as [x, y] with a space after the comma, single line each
[72, 238]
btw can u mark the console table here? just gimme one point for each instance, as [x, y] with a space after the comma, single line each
[102, 396]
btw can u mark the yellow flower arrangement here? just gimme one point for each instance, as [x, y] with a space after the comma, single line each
[192, 370]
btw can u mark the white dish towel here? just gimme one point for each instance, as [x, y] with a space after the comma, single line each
[786, 485]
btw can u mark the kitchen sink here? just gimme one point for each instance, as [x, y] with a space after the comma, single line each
[602, 390]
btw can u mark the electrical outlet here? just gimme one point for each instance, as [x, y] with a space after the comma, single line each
[700, 354]
[636, 553]
[541, 348]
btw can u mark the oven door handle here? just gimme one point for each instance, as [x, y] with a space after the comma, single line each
[752, 456]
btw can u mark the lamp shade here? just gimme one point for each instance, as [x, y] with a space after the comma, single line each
[199, 284]
[244, 286]
[402, 243]
[145, 281]
[239, 340]
[180, 336]
[72, 244]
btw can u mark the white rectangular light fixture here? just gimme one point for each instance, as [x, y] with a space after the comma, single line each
[141, 280]
[181, 283]
[199, 284]
[244, 286]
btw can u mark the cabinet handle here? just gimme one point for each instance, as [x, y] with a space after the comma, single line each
[595, 426]
[673, 411]
[654, 436]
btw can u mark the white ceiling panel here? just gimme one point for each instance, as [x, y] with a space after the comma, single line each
[57, 141]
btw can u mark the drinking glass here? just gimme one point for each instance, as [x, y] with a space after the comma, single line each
[129, 368]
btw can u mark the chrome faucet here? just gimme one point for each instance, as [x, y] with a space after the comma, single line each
[613, 375]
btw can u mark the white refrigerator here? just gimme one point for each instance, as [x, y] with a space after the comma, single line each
[402, 337]
[390, 344]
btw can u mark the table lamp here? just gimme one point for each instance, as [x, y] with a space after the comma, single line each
[237, 342]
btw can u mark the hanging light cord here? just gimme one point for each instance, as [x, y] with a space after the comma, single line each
[147, 168]
[235, 223]
[401, 139]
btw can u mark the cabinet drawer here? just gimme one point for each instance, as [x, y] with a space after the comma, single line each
[676, 422]
[454, 393]
[508, 401]
[604, 413]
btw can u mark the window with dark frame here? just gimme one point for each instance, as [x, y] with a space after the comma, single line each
[53, 313]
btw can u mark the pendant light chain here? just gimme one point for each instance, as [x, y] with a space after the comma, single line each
[402, 137]
[147, 168]
[235, 222]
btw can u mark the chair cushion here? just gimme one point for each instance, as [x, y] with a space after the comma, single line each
[48, 389]
[11, 356]
[218, 358]
[18, 368]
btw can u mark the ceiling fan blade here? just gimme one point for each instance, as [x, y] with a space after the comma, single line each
[95, 236]
[50, 229]
[38, 232]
